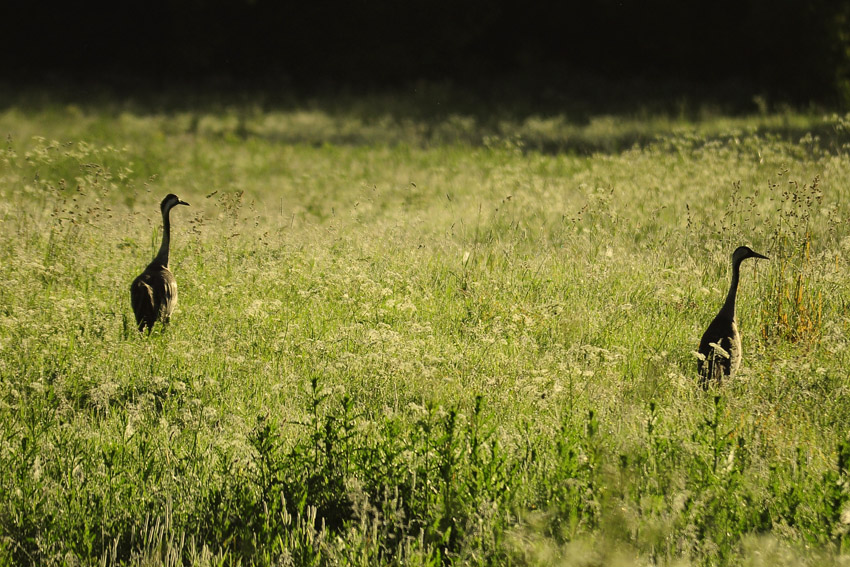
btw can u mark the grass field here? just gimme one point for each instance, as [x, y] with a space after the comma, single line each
[422, 338]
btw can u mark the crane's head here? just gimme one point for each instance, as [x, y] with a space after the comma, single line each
[743, 252]
[171, 200]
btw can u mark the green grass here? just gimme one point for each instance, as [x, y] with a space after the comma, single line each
[422, 340]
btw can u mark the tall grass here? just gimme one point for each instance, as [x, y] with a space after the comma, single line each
[405, 348]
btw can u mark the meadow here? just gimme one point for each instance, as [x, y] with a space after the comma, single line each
[422, 338]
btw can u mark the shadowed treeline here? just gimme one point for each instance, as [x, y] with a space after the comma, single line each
[792, 50]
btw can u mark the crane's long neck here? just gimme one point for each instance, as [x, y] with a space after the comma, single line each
[729, 306]
[162, 255]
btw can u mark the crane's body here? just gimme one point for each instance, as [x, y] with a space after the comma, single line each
[154, 296]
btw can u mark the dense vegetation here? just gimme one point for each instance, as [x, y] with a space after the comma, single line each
[421, 341]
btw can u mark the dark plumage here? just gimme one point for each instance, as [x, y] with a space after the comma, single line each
[153, 293]
[723, 331]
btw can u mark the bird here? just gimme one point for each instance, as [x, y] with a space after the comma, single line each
[715, 363]
[153, 293]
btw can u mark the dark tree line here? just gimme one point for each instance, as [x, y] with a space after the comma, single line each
[796, 48]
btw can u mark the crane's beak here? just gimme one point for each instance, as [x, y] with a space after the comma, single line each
[182, 203]
[757, 255]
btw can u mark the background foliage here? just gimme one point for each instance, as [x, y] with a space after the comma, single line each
[790, 50]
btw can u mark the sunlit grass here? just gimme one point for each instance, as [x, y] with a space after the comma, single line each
[420, 341]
